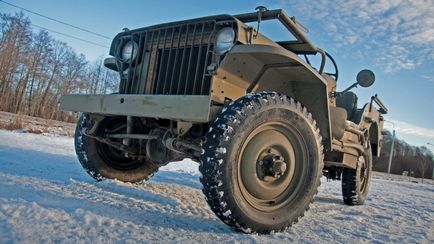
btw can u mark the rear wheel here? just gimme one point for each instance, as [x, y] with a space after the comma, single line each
[103, 161]
[356, 182]
[262, 163]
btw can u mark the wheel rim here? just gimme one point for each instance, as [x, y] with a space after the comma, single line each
[111, 156]
[271, 165]
[363, 173]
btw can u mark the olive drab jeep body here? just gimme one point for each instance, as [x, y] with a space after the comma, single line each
[262, 122]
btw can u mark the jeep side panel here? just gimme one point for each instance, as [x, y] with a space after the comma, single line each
[256, 67]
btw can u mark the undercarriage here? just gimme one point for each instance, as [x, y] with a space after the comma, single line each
[159, 141]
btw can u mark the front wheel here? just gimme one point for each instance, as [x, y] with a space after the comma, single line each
[262, 163]
[103, 161]
[356, 182]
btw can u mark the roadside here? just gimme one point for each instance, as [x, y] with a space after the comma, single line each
[24, 123]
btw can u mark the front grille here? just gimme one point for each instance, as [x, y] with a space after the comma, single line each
[171, 60]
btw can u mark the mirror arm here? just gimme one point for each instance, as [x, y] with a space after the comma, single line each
[338, 94]
[365, 78]
[348, 89]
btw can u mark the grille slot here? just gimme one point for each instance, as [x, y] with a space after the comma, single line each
[185, 77]
[172, 60]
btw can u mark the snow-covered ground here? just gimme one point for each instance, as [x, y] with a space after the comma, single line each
[45, 196]
[36, 125]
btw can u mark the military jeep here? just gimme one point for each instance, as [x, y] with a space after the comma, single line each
[263, 123]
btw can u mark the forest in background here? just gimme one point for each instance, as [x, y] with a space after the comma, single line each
[417, 161]
[36, 69]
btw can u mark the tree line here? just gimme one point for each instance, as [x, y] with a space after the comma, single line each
[36, 69]
[418, 161]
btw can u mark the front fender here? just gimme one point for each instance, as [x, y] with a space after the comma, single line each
[369, 118]
[259, 67]
[375, 139]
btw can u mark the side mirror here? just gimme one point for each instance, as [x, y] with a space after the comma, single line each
[365, 78]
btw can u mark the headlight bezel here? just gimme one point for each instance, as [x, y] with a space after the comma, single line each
[128, 56]
[227, 45]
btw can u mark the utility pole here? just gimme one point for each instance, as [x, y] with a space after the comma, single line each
[391, 148]
[433, 165]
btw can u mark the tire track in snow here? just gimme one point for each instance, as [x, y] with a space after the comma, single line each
[40, 203]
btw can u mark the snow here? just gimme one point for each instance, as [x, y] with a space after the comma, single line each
[37, 125]
[45, 196]
[221, 150]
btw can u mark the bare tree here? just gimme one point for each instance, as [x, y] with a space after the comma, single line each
[35, 70]
[56, 61]
[423, 163]
[15, 43]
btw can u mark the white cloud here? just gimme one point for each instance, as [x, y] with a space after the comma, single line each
[395, 34]
[410, 129]
[428, 77]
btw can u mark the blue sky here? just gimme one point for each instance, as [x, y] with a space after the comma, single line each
[394, 38]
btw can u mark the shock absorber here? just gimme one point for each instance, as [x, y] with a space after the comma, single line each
[127, 141]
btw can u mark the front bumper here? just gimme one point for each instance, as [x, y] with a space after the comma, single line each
[193, 108]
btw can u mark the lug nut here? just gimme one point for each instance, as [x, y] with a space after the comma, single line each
[279, 167]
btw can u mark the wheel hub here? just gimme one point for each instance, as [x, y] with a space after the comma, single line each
[268, 165]
[271, 167]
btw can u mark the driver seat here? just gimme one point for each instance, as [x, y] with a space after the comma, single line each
[348, 101]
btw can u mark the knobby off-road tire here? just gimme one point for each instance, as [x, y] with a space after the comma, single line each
[245, 138]
[102, 161]
[356, 182]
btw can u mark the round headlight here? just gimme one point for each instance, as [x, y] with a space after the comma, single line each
[225, 40]
[129, 51]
